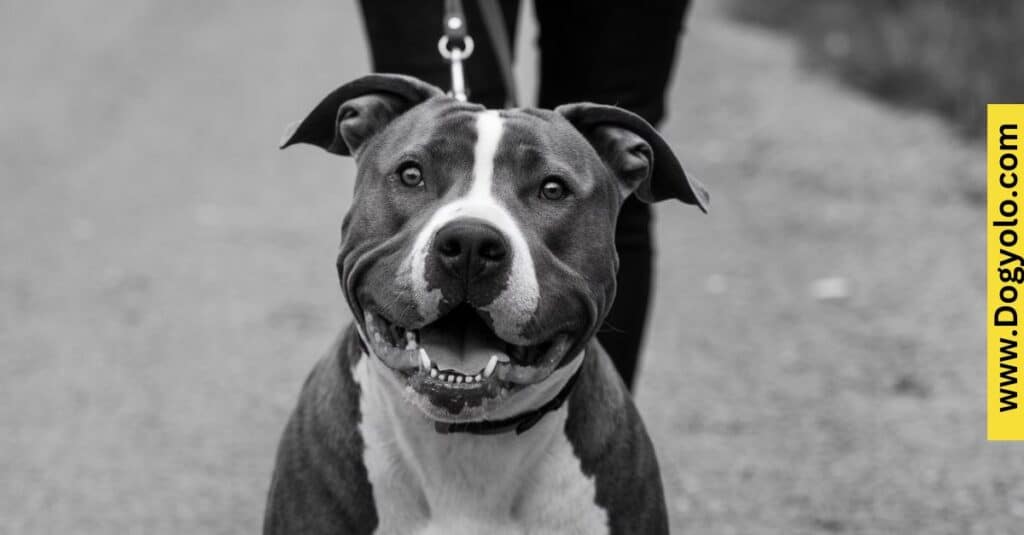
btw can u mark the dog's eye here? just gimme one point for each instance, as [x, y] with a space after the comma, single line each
[553, 189]
[411, 175]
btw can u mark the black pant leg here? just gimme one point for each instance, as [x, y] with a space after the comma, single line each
[623, 330]
[609, 52]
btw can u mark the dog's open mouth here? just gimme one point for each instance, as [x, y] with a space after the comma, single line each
[459, 356]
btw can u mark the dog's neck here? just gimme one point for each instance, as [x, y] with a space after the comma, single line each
[456, 472]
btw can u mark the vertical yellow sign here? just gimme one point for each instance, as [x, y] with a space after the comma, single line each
[1005, 265]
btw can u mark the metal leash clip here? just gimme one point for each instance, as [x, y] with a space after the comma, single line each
[455, 46]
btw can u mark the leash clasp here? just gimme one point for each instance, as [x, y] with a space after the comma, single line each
[455, 56]
[455, 45]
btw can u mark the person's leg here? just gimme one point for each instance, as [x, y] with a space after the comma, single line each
[403, 38]
[622, 334]
[617, 53]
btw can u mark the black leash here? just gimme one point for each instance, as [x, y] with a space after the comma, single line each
[455, 46]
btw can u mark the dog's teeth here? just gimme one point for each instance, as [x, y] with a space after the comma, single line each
[410, 340]
[446, 378]
[491, 364]
[458, 379]
[433, 372]
[424, 359]
[478, 378]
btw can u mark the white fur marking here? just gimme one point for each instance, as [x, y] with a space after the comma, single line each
[518, 301]
[427, 483]
[488, 135]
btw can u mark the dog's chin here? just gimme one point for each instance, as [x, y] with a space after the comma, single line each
[456, 369]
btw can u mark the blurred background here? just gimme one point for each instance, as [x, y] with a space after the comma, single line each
[947, 56]
[815, 359]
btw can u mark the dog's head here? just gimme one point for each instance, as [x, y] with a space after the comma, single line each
[478, 256]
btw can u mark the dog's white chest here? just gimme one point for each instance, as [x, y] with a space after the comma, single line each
[428, 483]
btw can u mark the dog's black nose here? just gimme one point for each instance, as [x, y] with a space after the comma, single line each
[471, 249]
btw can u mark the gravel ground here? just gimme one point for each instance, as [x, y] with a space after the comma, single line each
[167, 281]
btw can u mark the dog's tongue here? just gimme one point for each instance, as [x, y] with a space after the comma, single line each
[460, 341]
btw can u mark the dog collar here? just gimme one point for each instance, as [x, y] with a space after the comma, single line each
[519, 423]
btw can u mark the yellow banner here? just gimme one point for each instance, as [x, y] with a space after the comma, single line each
[1005, 264]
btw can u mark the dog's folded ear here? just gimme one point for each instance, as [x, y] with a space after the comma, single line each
[351, 114]
[636, 153]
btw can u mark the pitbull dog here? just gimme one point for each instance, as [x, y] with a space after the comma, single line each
[469, 395]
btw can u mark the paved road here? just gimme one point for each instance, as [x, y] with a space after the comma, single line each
[167, 281]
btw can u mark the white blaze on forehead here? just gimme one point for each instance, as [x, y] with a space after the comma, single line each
[518, 300]
[488, 135]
